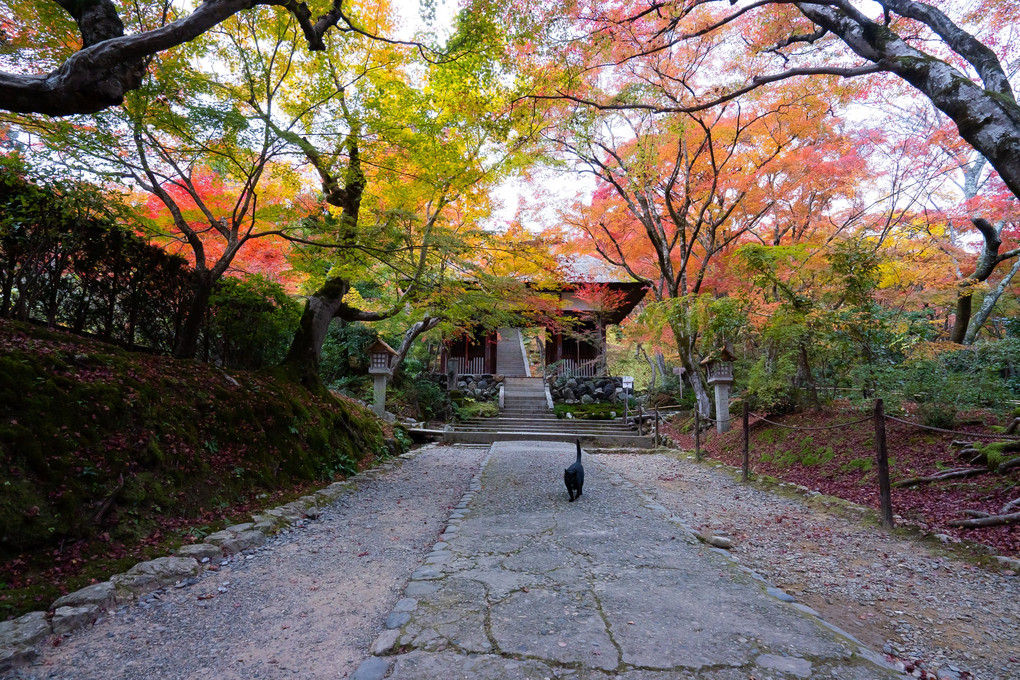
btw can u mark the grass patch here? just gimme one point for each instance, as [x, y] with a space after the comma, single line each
[807, 454]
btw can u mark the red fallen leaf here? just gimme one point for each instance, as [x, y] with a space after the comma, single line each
[362, 554]
[206, 596]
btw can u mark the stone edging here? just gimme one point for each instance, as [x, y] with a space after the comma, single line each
[21, 637]
[376, 666]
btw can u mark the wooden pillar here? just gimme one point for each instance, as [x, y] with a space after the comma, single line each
[882, 454]
[747, 439]
[697, 435]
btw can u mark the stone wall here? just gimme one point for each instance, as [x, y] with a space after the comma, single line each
[480, 387]
[586, 390]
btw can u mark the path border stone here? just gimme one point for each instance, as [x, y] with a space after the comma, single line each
[377, 665]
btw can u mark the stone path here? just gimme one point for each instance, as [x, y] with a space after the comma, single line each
[305, 605]
[524, 584]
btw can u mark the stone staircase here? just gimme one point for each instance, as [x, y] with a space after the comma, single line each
[526, 416]
[510, 359]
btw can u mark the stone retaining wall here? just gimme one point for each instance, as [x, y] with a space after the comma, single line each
[480, 387]
[603, 390]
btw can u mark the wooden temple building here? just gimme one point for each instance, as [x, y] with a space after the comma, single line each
[572, 341]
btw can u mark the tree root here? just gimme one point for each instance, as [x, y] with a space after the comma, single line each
[990, 521]
[1008, 465]
[949, 474]
[1009, 507]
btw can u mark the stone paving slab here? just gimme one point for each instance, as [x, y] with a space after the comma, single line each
[528, 585]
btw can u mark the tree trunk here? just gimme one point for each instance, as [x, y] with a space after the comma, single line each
[651, 365]
[692, 369]
[302, 360]
[410, 335]
[8, 288]
[963, 307]
[700, 390]
[660, 361]
[988, 304]
[807, 377]
[201, 290]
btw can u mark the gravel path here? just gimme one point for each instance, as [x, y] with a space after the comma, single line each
[904, 596]
[306, 605]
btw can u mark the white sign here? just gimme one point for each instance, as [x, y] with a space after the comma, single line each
[628, 382]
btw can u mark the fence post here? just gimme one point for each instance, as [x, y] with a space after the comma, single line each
[747, 436]
[884, 490]
[697, 435]
[641, 420]
[657, 440]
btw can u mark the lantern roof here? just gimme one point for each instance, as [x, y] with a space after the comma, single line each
[722, 354]
[380, 346]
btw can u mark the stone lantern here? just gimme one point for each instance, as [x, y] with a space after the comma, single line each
[380, 356]
[720, 374]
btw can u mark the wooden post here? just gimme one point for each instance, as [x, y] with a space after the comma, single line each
[747, 437]
[697, 435]
[641, 420]
[656, 427]
[884, 490]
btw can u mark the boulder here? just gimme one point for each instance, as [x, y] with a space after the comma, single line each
[24, 631]
[587, 399]
[219, 538]
[19, 636]
[67, 619]
[199, 551]
[243, 541]
[147, 576]
[99, 594]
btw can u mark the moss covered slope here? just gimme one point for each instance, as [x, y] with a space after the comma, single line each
[100, 442]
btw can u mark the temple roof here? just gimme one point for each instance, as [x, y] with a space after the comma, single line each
[591, 269]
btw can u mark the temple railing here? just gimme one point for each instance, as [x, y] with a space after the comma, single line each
[573, 369]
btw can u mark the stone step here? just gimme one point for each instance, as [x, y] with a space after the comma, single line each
[496, 423]
[577, 432]
[509, 423]
[587, 439]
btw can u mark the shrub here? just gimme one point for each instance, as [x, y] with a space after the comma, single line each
[251, 323]
[588, 411]
[937, 415]
[476, 409]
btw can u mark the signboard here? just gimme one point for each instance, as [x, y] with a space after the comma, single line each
[628, 382]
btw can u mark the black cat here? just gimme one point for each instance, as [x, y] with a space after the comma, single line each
[573, 476]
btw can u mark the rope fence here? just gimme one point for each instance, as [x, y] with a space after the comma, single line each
[878, 416]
